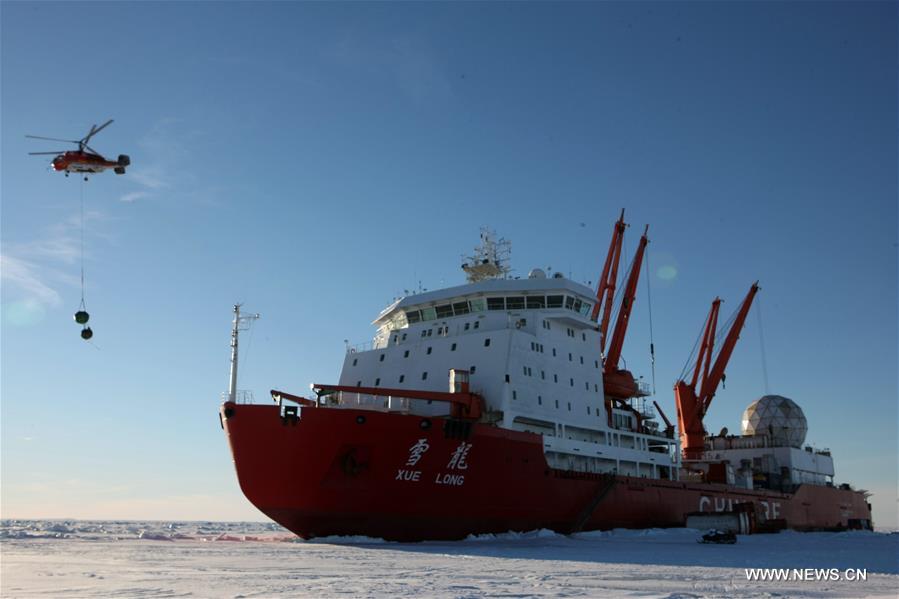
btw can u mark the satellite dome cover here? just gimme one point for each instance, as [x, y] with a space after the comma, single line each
[777, 416]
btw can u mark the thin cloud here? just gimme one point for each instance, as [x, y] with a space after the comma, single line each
[33, 272]
[133, 196]
[159, 166]
[27, 278]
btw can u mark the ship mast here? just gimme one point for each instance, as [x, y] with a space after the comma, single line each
[240, 323]
[490, 259]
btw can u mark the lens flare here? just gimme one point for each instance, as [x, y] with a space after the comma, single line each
[667, 272]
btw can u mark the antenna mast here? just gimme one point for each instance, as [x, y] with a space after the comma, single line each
[490, 259]
[240, 323]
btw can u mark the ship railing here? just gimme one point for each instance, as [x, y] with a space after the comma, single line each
[644, 388]
[367, 346]
[365, 401]
[359, 347]
[240, 396]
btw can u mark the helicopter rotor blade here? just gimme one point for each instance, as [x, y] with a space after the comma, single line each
[94, 130]
[92, 150]
[71, 141]
[40, 153]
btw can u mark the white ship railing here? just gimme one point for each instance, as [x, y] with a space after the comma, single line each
[240, 396]
[364, 401]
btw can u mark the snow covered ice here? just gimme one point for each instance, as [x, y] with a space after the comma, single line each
[214, 559]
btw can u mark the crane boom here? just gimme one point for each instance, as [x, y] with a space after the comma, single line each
[618, 383]
[605, 292]
[692, 408]
[627, 304]
[713, 378]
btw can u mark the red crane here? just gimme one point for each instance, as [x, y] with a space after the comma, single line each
[692, 407]
[605, 293]
[617, 382]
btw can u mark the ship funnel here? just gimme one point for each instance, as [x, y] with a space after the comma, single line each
[458, 380]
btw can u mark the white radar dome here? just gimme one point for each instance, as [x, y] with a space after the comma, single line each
[777, 416]
[536, 273]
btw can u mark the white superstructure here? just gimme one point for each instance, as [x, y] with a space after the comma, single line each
[532, 351]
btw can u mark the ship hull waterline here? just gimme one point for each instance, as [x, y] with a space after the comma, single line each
[336, 471]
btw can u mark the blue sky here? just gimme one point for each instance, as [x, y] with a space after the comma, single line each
[315, 160]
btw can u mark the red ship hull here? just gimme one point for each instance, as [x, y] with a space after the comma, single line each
[332, 471]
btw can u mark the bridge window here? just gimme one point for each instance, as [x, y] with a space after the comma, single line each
[428, 314]
[536, 302]
[444, 311]
[477, 305]
[515, 303]
[496, 303]
[569, 302]
[460, 308]
[413, 316]
[554, 301]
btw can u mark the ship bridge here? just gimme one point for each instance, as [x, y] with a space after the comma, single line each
[560, 298]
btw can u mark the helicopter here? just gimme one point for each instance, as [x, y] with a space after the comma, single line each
[85, 159]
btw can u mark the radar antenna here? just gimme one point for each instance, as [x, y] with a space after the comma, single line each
[490, 259]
